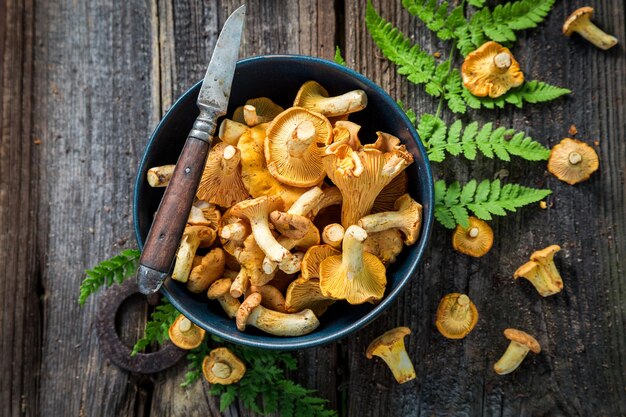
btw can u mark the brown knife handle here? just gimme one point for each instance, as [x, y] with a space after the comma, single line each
[171, 217]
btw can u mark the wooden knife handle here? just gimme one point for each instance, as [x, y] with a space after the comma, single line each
[169, 223]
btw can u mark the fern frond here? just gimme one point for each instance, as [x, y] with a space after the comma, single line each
[501, 143]
[195, 357]
[454, 202]
[117, 269]
[338, 58]
[530, 92]
[157, 327]
[412, 61]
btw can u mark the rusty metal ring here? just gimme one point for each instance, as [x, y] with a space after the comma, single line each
[115, 349]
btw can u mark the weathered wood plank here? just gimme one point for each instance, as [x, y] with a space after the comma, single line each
[580, 371]
[20, 313]
[92, 113]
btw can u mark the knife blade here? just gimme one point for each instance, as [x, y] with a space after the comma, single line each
[171, 217]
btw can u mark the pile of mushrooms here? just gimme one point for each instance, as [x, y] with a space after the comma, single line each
[294, 213]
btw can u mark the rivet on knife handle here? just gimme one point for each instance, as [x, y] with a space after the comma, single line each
[171, 217]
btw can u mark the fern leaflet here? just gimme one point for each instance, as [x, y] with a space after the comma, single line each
[116, 269]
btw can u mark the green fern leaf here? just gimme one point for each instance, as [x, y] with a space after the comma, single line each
[157, 327]
[476, 3]
[453, 202]
[117, 269]
[530, 92]
[338, 57]
[412, 61]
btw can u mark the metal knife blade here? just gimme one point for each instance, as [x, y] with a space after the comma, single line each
[171, 217]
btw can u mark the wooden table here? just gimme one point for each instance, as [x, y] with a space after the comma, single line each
[83, 84]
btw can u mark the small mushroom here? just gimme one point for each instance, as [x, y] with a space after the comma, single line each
[390, 347]
[294, 147]
[184, 334]
[230, 131]
[222, 367]
[193, 238]
[572, 161]
[160, 176]
[491, 70]
[221, 181]
[257, 111]
[271, 297]
[361, 175]
[385, 245]
[333, 235]
[220, 291]
[521, 344]
[251, 258]
[456, 316]
[252, 313]
[233, 230]
[240, 284]
[305, 293]
[292, 226]
[254, 173]
[313, 257]
[580, 22]
[314, 97]
[210, 269]
[542, 272]
[407, 218]
[210, 213]
[355, 275]
[475, 240]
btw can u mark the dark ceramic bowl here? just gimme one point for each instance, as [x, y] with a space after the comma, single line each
[279, 77]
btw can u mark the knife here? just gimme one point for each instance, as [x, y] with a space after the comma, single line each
[171, 217]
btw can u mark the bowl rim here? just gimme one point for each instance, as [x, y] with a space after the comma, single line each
[291, 343]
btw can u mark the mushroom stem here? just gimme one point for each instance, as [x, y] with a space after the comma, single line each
[460, 308]
[234, 231]
[250, 115]
[333, 235]
[160, 176]
[595, 35]
[230, 131]
[240, 284]
[512, 358]
[221, 369]
[502, 62]
[574, 158]
[350, 102]
[266, 240]
[353, 250]
[390, 347]
[272, 322]
[220, 291]
[230, 160]
[301, 139]
[307, 202]
[473, 232]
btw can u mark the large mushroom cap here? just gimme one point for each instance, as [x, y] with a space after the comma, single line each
[523, 338]
[184, 334]
[456, 316]
[221, 182]
[294, 147]
[572, 161]
[221, 366]
[581, 15]
[254, 173]
[475, 240]
[313, 258]
[491, 70]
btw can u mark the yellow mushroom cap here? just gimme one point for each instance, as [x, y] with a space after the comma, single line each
[184, 334]
[578, 16]
[491, 70]
[294, 147]
[221, 182]
[221, 366]
[313, 257]
[264, 109]
[386, 340]
[523, 338]
[254, 173]
[572, 161]
[306, 293]
[474, 241]
[390, 348]
[456, 316]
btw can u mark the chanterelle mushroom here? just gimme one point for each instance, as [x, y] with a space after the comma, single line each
[160, 176]
[521, 344]
[254, 314]
[305, 293]
[580, 22]
[390, 348]
[294, 147]
[254, 173]
[230, 131]
[220, 291]
[221, 182]
[184, 334]
[355, 275]
[475, 240]
[314, 97]
[193, 237]
[491, 71]
[456, 316]
[541, 271]
[313, 258]
[361, 175]
[256, 111]
[572, 161]
[385, 245]
[222, 367]
[209, 270]
[407, 218]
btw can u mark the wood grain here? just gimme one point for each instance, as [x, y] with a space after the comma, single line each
[83, 84]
